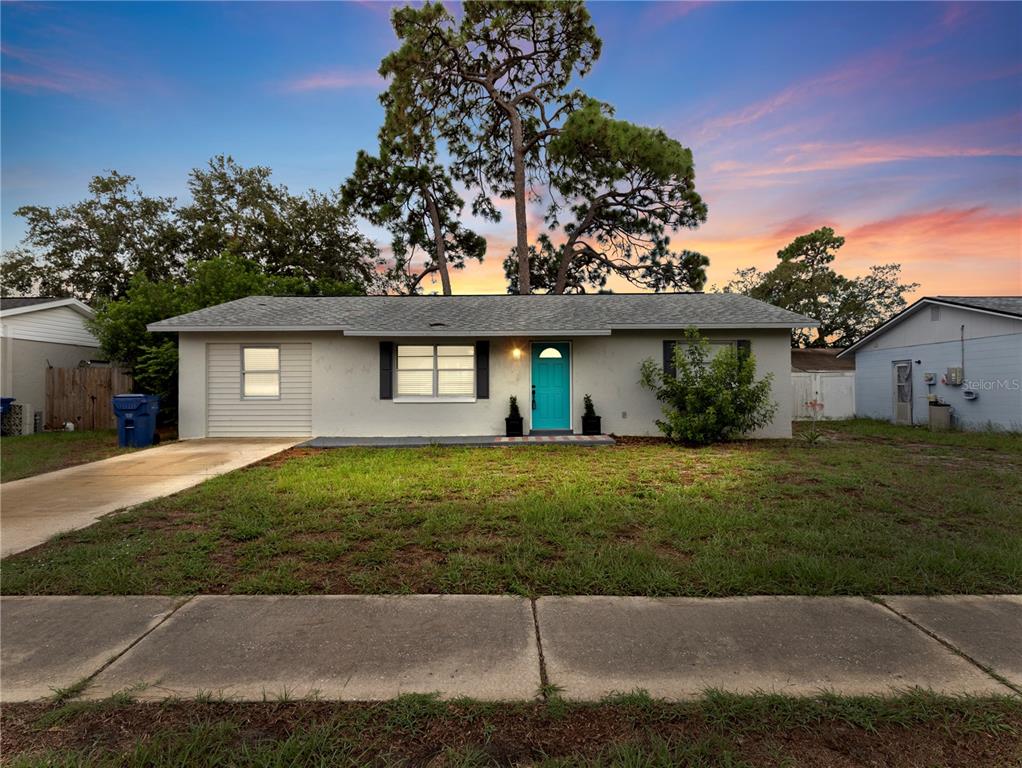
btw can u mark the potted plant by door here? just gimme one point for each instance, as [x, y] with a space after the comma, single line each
[590, 421]
[513, 422]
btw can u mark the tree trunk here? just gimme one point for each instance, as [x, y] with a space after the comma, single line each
[562, 269]
[438, 242]
[521, 221]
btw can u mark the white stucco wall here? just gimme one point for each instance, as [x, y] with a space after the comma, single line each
[346, 381]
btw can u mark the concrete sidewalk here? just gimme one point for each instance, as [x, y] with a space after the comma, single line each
[352, 647]
[38, 508]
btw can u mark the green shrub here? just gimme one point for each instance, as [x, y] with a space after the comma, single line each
[709, 399]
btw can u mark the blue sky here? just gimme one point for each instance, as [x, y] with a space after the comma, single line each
[898, 124]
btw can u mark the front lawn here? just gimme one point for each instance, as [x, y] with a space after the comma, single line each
[870, 509]
[27, 455]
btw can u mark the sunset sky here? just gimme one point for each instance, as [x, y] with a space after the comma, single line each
[900, 125]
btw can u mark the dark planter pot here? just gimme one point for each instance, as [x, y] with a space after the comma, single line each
[591, 425]
[513, 427]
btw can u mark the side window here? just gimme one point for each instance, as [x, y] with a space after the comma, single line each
[260, 372]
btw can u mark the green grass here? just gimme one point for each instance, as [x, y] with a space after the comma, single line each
[914, 728]
[869, 509]
[27, 455]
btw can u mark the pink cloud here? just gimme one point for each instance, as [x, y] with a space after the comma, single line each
[953, 14]
[839, 81]
[41, 73]
[336, 80]
[820, 156]
[382, 7]
[666, 11]
[930, 244]
[860, 74]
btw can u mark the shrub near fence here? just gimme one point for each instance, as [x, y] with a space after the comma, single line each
[83, 396]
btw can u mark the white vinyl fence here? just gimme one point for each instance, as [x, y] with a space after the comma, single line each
[835, 389]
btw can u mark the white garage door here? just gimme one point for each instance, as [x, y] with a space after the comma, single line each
[279, 390]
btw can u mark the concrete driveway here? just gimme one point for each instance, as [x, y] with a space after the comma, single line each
[38, 508]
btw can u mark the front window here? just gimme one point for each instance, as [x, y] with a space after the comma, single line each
[436, 371]
[260, 372]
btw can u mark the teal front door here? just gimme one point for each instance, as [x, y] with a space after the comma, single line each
[551, 386]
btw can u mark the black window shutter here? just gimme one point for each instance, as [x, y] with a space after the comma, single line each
[744, 347]
[482, 370]
[386, 370]
[669, 358]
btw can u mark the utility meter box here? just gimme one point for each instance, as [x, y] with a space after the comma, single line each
[955, 376]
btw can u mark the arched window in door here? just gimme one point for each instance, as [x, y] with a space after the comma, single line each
[550, 352]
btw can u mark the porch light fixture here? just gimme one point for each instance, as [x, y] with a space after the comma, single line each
[516, 353]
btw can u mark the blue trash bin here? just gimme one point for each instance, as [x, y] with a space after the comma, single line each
[127, 409]
[145, 421]
[136, 419]
[5, 405]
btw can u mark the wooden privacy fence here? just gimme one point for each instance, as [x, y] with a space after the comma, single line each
[835, 390]
[83, 396]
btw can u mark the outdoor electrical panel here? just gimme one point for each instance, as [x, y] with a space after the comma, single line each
[954, 376]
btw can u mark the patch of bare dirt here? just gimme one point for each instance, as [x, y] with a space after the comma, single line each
[283, 457]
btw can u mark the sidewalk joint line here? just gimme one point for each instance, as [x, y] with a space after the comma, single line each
[544, 681]
[947, 644]
[88, 680]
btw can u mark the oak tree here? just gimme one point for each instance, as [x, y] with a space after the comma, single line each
[805, 281]
[90, 249]
[239, 210]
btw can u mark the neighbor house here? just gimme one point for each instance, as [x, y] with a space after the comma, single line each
[37, 333]
[447, 365]
[965, 351]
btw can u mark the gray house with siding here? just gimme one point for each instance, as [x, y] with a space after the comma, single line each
[965, 351]
[385, 366]
[37, 333]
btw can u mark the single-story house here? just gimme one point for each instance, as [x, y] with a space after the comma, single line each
[965, 351]
[819, 376]
[37, 333]
[446, 365]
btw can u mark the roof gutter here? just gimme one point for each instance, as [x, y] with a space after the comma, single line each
[443, 332]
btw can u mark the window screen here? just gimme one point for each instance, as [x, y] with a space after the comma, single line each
[260, 371]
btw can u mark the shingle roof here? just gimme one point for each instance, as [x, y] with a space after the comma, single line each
[820, 360]
[20, 305]
[491, 315]
[1008, 305]
[24, 301]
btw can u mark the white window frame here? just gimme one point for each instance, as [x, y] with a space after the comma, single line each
[435, 397]
[276, 370]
